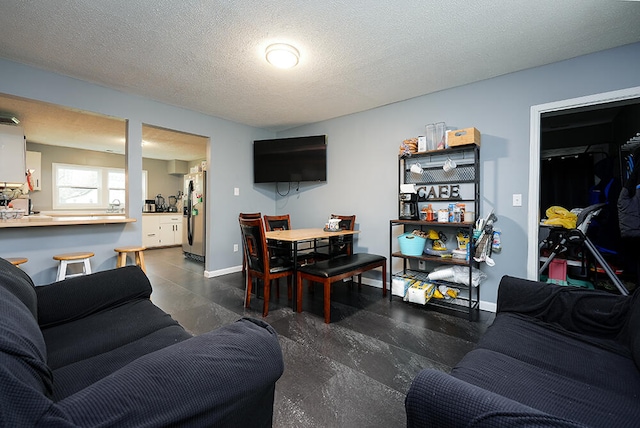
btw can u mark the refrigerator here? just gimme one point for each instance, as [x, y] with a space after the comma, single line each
[194, 215]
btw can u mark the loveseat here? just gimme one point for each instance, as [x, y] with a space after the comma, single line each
[95, 351]
[554, 357]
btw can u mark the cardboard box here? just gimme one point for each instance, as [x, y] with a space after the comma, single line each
[463, 137]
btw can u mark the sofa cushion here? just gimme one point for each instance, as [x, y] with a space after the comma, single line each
[25, 379]
[559, 375]
[632, 329]
[20, 284]
[76, 298]
[79, 375]
[88, 337]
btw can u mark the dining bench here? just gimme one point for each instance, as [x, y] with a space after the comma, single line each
[338, 268]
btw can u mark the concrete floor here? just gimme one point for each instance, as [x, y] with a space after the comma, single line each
[353, 372]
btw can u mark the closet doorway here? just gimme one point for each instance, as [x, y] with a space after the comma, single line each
[577, 155]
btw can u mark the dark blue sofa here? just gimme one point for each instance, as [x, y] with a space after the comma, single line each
[95, 351]
[554, 357]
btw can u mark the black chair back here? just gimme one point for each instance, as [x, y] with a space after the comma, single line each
[342, 244]
[277, 222]
[255, 244]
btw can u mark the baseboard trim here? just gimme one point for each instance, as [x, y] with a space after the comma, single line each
[220, 272]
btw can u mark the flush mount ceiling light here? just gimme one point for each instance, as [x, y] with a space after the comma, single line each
[282, 55]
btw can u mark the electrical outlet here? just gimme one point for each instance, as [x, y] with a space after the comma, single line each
[422, 265]
[517, 199]
[236, 191]
[235, 248]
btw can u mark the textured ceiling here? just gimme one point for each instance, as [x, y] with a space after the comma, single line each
[208, 56]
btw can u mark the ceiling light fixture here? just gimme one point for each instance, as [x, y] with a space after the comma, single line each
[282, 55]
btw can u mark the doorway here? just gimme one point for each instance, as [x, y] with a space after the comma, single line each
[545, 113]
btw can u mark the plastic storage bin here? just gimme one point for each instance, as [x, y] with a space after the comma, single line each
[411, 245]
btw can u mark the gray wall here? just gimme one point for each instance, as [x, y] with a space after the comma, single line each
[362, 170]
[363, 149]
[228, 155]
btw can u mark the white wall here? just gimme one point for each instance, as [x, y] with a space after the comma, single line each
[229, 158]
[363, 148]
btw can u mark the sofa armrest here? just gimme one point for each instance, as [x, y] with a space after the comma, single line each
[75, 298]
[437, 399]
[584, 311]
[224, 378]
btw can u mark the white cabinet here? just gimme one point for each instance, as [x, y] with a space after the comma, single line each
[34, 166]
[161, 230]
[12, 153]
[170, 229]
[150, 230]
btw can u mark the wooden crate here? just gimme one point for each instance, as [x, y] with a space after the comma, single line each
[463, 137]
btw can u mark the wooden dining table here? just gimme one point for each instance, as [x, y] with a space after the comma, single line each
[297, 236]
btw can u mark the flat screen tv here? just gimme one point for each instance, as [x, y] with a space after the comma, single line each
[290, 159]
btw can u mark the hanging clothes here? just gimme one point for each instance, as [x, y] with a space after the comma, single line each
[629, 206]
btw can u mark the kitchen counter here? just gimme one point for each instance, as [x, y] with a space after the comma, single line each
[45, 220]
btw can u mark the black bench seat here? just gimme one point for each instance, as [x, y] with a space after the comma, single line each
[336, 269]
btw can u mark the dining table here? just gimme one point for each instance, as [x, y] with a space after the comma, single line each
[298, 236]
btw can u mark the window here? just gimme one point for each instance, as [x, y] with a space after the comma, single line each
[89, 187]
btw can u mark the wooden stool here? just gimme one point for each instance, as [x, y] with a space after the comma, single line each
[139, 256]
[71, 258]
[17, 261]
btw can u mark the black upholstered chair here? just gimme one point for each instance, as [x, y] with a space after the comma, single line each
[342, 244]
[277, 222]
[261, 264]
[280, 249]
[247, 216]
[338, 245]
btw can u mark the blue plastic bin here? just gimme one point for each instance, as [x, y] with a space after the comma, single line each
[411, 245]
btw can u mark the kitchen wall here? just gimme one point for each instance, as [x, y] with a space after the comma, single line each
[159, 180]
[363, 148]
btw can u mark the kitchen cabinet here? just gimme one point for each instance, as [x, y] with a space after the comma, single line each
[170, 229]
[439, 186]
[34, 166]
[13, 154]
[161, 230]
[151, 230]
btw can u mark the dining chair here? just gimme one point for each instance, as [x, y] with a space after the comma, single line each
[261, 264]
[279, 222]
[339, 245]
[342, 244]
[244, 258]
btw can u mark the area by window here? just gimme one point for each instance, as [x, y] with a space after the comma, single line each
[89, 187]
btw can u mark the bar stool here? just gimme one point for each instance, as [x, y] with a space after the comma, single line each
[138, 253]
[17, 261]
[72, 258]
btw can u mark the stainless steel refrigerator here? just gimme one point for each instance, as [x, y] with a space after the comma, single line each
[194, 215]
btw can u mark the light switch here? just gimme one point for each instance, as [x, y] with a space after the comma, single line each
[236, 191]
[517, 199]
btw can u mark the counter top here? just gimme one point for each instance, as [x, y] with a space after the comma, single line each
[45, 220]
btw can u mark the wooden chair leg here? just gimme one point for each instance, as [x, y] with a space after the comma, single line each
[267, 295]
[327, 301]
[247, 293]
[360, 282]
[299, 282]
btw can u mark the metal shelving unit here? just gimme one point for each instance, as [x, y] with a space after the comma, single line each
[467, 173]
